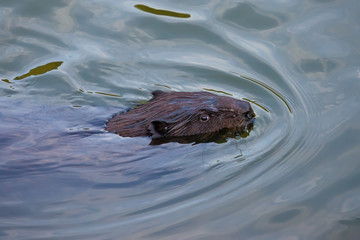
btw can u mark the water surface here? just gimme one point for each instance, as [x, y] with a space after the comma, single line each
[68, 66]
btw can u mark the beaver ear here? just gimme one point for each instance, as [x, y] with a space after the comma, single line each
[157, 93]
[158, 129]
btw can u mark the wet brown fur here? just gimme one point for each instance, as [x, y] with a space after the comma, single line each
[177, 114]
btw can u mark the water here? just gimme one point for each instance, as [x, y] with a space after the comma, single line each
[67, 66]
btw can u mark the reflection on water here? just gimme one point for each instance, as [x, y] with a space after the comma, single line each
[249, 16]
[294, 177]
[217, 137]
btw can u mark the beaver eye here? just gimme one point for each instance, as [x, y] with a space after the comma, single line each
[204, 118]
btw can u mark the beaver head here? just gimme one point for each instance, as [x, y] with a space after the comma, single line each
[178, 114]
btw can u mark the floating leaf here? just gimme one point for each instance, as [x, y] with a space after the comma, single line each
[162, 12]
[40, 70]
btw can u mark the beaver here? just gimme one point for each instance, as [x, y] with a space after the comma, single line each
[183, 114]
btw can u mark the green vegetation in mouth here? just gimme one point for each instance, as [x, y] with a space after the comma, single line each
[161, 11]
[40, 70]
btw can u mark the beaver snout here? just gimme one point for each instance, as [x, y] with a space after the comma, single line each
[248, 112]
[249, 116]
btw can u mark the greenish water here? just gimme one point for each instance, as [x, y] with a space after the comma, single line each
[68, 66]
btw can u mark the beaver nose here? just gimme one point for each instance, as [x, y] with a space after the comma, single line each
[248, 111]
